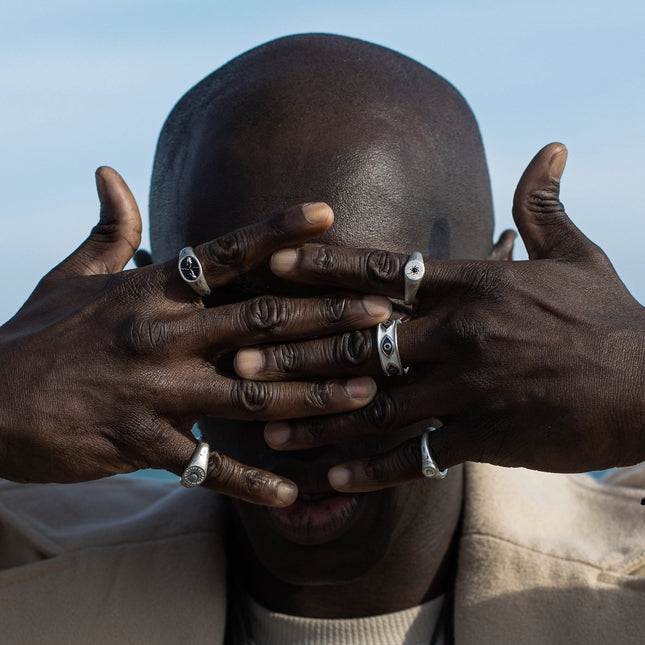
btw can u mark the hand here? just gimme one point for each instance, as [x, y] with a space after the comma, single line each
[105, 371]
[538, 364]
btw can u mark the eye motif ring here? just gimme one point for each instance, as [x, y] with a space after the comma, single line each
[429, 466]
[195, 473]
[413, 272]
[388, 348]
[190, 270]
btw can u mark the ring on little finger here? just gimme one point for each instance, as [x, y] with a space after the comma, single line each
[387, 345]
[191, 272]
[197, 468]
[429, 466]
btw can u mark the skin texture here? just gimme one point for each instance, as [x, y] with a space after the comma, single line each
[403, 169]
[473, 354]
[106, 371]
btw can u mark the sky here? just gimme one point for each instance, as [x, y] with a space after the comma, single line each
[87, 84]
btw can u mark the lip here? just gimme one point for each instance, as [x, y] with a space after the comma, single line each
[311, 522]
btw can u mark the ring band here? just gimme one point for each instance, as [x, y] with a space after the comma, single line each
[190, 269]
[429, 466]
[195, 473]
[413, 272]
[388, 348]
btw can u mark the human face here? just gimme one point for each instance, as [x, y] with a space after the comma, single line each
[393, 184]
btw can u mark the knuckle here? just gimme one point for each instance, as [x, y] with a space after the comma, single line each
[142, 335]
[255, 482]
[353, 348]
[333, 309]
[380, 414]
[319, 395]
[264, 313]
[288, 357]
[383, 266]
[227, 250]
[252, 396]
[374, 469]
[140, 437]
[544, 202]
[324, 260]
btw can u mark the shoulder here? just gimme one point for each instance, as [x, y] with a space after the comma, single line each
[599, 522]
[60, 518]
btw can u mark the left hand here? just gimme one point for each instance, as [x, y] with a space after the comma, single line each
[537, 364]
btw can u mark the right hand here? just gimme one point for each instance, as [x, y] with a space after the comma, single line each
[105, 371]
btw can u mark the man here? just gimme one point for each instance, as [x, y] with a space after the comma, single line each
[396, 153]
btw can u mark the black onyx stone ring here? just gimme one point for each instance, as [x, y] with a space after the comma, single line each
[388, 349]
[190, 270]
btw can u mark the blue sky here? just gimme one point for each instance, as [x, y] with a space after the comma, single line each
[85, 84]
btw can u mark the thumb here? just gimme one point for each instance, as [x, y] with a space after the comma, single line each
[114, 240]
[546, 230]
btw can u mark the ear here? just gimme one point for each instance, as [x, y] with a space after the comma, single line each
[142, 258]
[503, 249]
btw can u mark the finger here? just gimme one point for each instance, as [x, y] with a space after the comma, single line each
[503, 249]
[546, 230]
[392, 468]
[254, 400]
[272, 318]
[114, 240]
[230, 477]
[352, 353]
[233, 254]
[366, 270]
[390, 410]
[381, 272]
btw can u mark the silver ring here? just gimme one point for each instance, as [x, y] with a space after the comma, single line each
[412, 275]
[190, 270]
[388, 348]
[195, 472]
[429, 466]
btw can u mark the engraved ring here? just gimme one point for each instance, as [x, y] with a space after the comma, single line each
[190, 270]
[429, 466]
[388, 348]
[412, 275]
[195, 473]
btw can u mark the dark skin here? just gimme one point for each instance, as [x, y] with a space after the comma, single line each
[106, 371]
[472, 353]
[390, 189]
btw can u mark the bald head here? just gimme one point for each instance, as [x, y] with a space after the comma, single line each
[392, 147]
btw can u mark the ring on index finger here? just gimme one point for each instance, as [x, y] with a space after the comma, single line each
[191, 272]
[387, 345]
[412, 275]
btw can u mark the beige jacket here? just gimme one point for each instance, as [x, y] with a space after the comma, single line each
[543, 559]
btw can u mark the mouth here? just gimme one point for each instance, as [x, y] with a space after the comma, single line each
[316, 518]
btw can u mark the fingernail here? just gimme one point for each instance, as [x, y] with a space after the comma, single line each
[557, 164]
[277, 434]
[361, 388]
[284, 261]
[377, 306]
[339, 477]
[316, 213]
[286, 493]
[249, 362]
